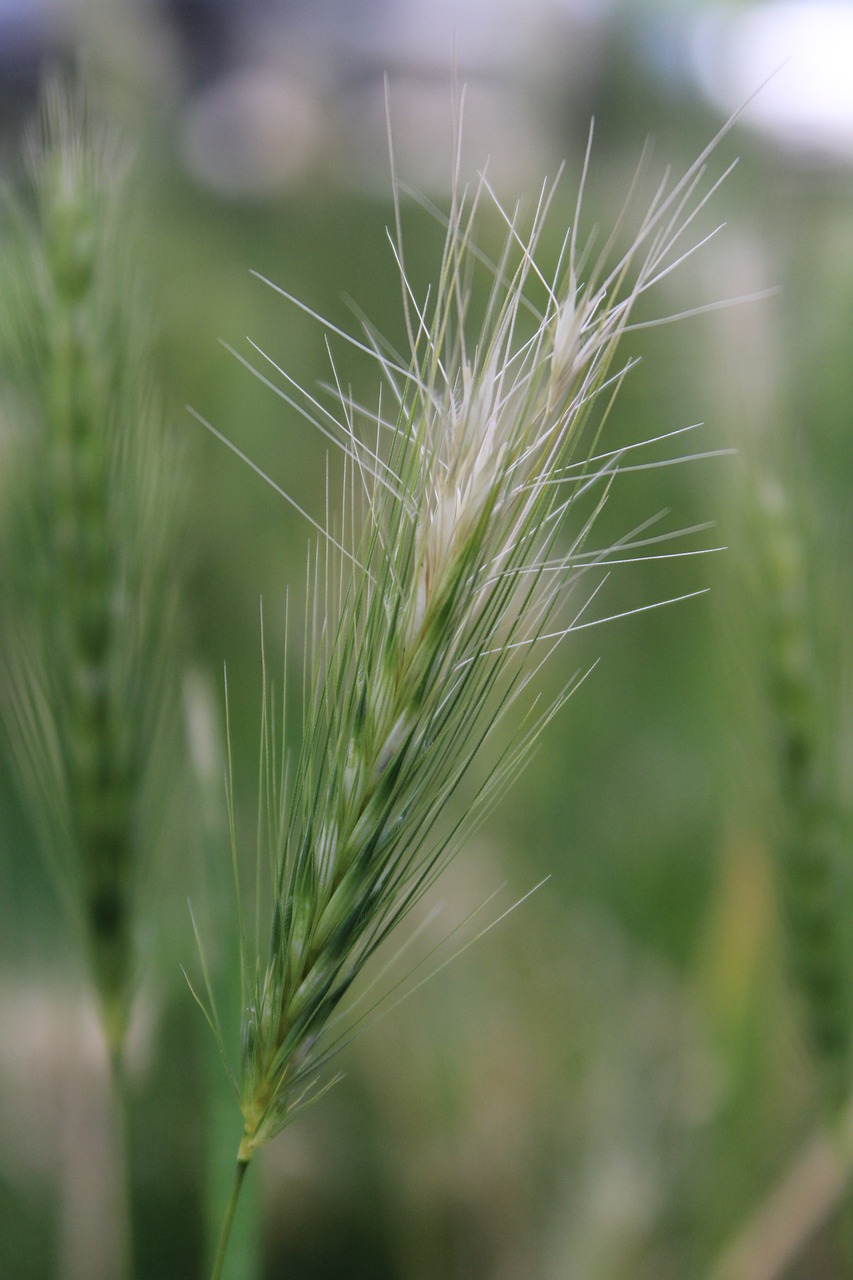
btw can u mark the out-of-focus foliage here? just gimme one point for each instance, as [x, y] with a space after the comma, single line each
[609, 1084]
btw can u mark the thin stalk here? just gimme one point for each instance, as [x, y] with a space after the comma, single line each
[124, 1182]
[228, 1220]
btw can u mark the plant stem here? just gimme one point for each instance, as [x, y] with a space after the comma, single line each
[121, 1140]
[227, 1221]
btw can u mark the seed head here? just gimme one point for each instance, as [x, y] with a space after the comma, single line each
[438, 609]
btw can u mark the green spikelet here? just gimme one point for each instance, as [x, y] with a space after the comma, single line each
[88, 620]
[464, 519]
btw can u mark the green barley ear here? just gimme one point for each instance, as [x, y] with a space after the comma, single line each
[88, 632]
[813, 838]
[450, 576]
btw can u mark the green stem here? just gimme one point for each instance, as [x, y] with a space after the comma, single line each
[121, 1137]
[228, 1220]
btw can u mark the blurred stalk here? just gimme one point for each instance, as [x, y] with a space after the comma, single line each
[806, 1196]
[124, 1164]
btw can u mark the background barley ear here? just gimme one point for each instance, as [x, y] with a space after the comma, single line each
[89, 652]
[813, 835]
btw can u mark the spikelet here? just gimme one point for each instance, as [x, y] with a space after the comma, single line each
[87, 618]
[466, 516]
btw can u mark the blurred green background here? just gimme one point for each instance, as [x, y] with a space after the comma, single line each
[610, 1083]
